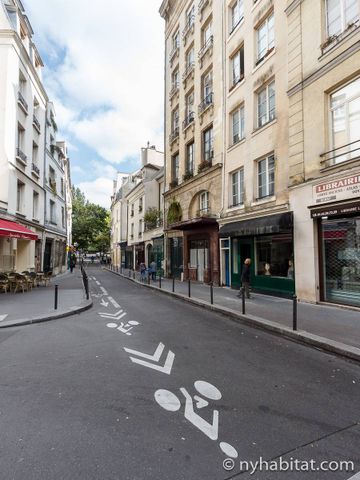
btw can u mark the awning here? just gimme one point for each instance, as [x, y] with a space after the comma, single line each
[268, 225]
[15, 230]
[193, 223]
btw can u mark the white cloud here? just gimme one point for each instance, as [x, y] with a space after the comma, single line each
[113, 59]
[98, 191]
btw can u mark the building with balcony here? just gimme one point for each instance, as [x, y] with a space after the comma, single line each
[33, 183]
[324, 148]
[22, 138]
[255, 219]
[194, 132]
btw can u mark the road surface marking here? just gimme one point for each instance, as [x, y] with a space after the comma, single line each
[2, 317]
[97, 282]
[155, 357]
[103, 290]
[114, 303]
[103, 303]
[117, 316]
[166, 368]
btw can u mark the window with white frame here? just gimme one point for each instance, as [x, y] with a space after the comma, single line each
[204, 203]
[20, 196]
[190, 57]
[208, 144]
[340, 14]
[175, 167]
[190, 16]
[140, 227]
[266, 104]
[238, 125]
[52, 212]
[236, 14]
[207, 85]
[237, 66]
[175, 121]
[265, 37]
[266, 176]
[176, 40]
[189, 101]
[190, 150]
[175, 79]
[237, 188]
[345, 122]
[35, 205]
[206, 33]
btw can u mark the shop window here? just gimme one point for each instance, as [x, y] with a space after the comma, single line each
[345, 123]
[235, 256]
[274, 256]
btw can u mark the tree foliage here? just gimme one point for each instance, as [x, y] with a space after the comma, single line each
[91, 224]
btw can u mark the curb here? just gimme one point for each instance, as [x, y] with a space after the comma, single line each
[48, 317]
[300, 336]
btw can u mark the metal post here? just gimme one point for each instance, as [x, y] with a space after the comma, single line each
[134, 274]
[295, 313]
[160, 280]
[189, 287]
[173, 284]
[243, 299]
[212, 293]
[87, 287]
[56, 296]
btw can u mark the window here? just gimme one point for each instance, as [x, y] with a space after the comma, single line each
[20, 137]
[141, 204]
[63, 217]
[175, 121]
[190, 16]
[237, 66]
[345, 122]
[208, 144]
[62, 187]
[20, 196]
[206, 33]
[35, 205]
[175, 79]
[176, 40]
[266, 176]
[140, 228]
[266, 104]
[238, 125]
[204, 202]
[236, 14]
[35, 152]
[132, 230]
[190, 150]
[207, 85]
[52, 212]
[237, 188]
[189, 100]
[274, 256]
[175, 167]
[265, 37]
[22, 83]
[190, 58]
[340, 14]
[132, 209]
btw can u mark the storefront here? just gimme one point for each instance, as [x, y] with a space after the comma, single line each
[17, 247]
[176, 258]
[268, 242]
[339, 252]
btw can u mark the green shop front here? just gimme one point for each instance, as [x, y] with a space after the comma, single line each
[268, 242]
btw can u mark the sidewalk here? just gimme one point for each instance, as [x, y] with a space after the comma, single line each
[38, 305]
[330, 327]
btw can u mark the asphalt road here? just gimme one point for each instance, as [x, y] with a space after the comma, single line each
[74, 404]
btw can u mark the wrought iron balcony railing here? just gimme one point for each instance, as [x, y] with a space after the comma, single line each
[207, 102]
[173, 53]
[174, 135]
[35, 169]
[20, 155]
[189, 25]
[36, 123]
[207, 46]
[338, 155]
[173, 91]
[188, 120]
[189, 69]
[23, 102]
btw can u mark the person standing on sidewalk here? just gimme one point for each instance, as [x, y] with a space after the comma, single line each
[153, 270]
[72, 262]
[245, 277]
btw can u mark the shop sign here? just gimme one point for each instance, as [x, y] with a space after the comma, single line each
[337, 210]
[338, 189]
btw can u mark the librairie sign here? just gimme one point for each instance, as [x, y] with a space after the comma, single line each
[345, 188]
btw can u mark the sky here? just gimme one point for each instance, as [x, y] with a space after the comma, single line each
[104, 64]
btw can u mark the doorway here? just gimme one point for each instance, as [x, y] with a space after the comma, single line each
[240, 250]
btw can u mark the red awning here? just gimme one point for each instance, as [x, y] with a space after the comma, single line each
[15, 230]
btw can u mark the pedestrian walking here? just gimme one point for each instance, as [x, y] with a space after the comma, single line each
[72, 262]
[142, 272]
[245, 277]
[153, 270]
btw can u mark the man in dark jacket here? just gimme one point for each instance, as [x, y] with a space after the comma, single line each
[245, 277]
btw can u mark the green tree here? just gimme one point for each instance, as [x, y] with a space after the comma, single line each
[91, 224]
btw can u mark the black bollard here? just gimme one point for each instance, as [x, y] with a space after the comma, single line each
[243, 300]
[212, 293]
[134, 274]
[173, 284]
[189, 288]
[295, 305]
[160, 280]
[56, 296]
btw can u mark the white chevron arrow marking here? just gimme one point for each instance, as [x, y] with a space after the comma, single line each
[119, 316]
[106, 314]
[114, 303]
[103, 303]
[2, 317]
[166, 368]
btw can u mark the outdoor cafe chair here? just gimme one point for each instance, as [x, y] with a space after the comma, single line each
[4, 282]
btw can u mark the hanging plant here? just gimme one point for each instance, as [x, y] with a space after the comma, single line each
[174, 213]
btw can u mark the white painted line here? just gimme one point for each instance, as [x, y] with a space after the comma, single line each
[110, 315]
[103, 290]
[97, 283]
[114, 303]
[155, 357]
[2, 317]
[355, 477]
[165, 369]
[103, 303]
[118, 317]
